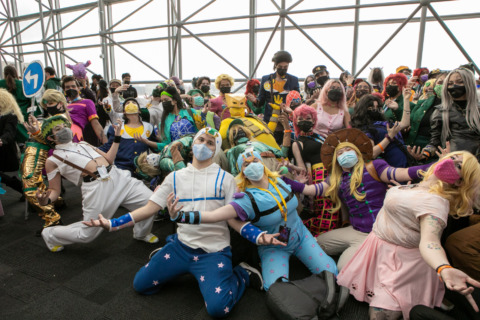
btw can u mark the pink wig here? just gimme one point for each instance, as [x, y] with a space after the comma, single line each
[401, 80]
[303, 110]
[341, 104]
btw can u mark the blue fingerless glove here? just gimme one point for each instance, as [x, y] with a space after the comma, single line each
[251, 232]
[121, 222]
[190, 217]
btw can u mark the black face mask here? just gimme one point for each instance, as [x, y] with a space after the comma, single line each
[375, 115]
[294, 106]
[392, 91]
[167, 106]
[335, 95]
[53, 110]
[205, 88]
[112, 90]
[225, 90]
[360, 93]
[256, 89]
[457, 91]
[71, 93]
[305, 125]
[126, 82]
[240, 134]
[321, 80]
[282, 72]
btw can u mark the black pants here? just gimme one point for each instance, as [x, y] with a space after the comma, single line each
[421, 312]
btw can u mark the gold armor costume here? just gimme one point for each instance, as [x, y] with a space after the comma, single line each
[33, 162]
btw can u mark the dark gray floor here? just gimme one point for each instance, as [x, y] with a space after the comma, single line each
[94, 281]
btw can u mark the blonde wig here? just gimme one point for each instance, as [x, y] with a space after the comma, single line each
[473, 112]
[464, 197]
[336, 177]
[243, 183]
[147, 169]
[221, 77]
[52, 95]
[9, 105]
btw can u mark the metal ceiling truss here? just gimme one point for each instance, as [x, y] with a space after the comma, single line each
[54, 51]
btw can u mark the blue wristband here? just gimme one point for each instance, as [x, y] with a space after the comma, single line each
[251, 232]
[121, 222]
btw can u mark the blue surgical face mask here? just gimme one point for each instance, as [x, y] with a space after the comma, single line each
[202, 152]
[347, 159]
[254, 171]
[198, 101]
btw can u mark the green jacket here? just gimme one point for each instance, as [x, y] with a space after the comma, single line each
[416, 117]
[53, 83]
[396, 115]
[255, 109]
[24, 103]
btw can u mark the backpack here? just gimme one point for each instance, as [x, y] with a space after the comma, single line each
[315, 297]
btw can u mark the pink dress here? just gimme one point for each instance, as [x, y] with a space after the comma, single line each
[388, 270]
[328, 123]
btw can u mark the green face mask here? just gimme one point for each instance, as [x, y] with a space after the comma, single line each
[438, 90]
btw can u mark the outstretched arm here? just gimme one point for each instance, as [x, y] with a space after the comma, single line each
[129, 219]
[195, 217]
[434, 255]
[403, 174]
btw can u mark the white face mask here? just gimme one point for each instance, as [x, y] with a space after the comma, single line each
[254, 171]
[202, 152]
[153, 159]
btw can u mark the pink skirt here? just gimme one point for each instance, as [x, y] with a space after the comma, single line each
[391, 277]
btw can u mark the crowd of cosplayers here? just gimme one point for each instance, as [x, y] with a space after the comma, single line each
[373, 184]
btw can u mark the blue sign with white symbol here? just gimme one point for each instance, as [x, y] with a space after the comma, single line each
[33, 79]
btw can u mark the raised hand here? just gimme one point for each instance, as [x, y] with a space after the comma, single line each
[32, 125]
[100, 222]
[117, 127]
[415, 152]
[172, 205]
[457, 280]
[443, 152]
[391, 104]
[394, 130]
[139, 137]
[42, 196]
[300, 176]
[270, 239]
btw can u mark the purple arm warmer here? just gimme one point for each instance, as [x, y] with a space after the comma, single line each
[296, 186]
[414, 172]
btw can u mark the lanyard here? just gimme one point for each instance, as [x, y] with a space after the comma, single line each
[282, 210]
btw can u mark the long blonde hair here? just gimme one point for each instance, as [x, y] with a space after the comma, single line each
[243, 182]
[9, 105]
[465, 197]
[336, 177]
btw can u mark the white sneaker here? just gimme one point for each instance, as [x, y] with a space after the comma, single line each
[50, 247]
[149, 238]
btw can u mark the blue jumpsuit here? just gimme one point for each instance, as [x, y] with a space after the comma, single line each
[301, 242]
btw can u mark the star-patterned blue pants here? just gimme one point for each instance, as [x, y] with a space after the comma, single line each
[221, 285]
[301, 244]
